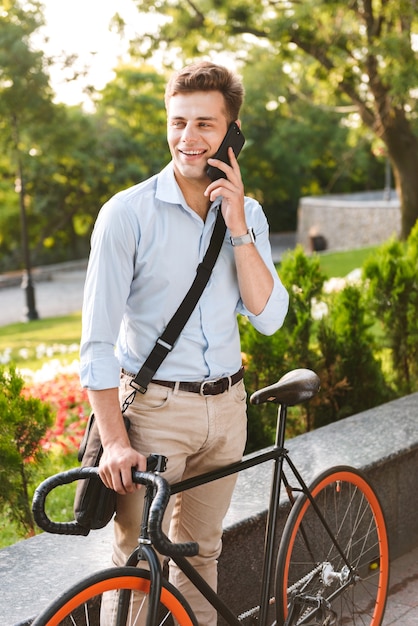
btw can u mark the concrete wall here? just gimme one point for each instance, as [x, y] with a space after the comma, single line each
[382, 441]
[349, 220]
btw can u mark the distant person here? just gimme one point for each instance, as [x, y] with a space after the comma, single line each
[318, 243]
[146, 245]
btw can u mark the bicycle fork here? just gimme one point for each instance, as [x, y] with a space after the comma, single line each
[146, 553]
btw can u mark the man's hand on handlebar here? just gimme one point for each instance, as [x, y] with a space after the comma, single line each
[115, 468]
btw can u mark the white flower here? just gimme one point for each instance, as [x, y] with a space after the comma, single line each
[50, 370]
[319, 309]
[5, 356]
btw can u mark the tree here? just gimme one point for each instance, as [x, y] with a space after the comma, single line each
[132, 108]
[66, 181]
[363, 52]
[294, 148]
[84, 158]
[25, 99]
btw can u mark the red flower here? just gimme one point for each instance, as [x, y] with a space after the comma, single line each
[72, 408]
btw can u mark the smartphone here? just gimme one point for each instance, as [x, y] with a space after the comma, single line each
[234, 139]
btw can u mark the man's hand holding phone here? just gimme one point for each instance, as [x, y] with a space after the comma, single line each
[254, 278]
[223, 170]
[234, 139]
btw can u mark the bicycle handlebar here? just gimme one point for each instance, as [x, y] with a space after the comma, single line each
[159, 503]
[41, 492]
[158, 506]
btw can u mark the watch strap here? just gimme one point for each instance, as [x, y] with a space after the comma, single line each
[249, 237]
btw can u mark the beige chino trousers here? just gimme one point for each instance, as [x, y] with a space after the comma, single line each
[197, 434]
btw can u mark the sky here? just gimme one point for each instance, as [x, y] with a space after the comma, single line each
[82, 27]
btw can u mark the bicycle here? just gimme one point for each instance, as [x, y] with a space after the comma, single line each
[332, 563]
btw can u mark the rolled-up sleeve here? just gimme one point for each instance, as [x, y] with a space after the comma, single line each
[273, 315]
[98, 372]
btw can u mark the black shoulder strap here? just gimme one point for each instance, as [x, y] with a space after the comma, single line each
[166, 341]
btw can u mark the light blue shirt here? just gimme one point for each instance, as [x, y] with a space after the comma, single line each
[146, 246]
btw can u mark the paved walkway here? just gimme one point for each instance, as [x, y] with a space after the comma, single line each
[59, 289]
[402, 603]
[60, 293]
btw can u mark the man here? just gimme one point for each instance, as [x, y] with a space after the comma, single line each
[147, 243]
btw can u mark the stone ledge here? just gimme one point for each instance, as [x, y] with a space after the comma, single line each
[381, 441]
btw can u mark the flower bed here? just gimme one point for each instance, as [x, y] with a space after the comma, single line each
[62, 390]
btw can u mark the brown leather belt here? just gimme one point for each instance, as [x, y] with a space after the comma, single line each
[205, 388]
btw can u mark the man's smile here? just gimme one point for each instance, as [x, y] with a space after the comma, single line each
[192, 152]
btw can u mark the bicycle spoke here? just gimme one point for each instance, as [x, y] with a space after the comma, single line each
[312, 576]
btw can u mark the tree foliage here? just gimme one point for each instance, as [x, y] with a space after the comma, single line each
[25, 94]
[24, 87]
[132, 107]
[294, 148]
[362, 52]
[87, 157]
[302, 135]
[75, 160]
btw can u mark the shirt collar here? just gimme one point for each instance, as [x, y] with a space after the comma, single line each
[168, 189]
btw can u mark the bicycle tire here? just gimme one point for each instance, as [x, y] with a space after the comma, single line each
[354, 514]
[80, 605]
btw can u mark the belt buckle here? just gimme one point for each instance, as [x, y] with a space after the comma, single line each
[224, 383]
[202, 387]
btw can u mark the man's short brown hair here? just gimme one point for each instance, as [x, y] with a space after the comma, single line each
[206, 76]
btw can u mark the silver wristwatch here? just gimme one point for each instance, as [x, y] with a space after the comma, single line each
[249, 237]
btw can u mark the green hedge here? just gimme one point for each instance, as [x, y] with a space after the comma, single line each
[361, 339]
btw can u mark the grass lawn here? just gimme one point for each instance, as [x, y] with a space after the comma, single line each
[339, 264]
[30, 344]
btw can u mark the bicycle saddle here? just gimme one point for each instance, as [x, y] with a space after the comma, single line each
[296, 386]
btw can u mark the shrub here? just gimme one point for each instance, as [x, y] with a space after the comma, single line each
[24, 422]
[342, 348]
[304, 280]
[352, 379]
[268, 358]
[264, 359]
[393, 296]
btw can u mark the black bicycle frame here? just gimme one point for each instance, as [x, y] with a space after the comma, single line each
[277, 454]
